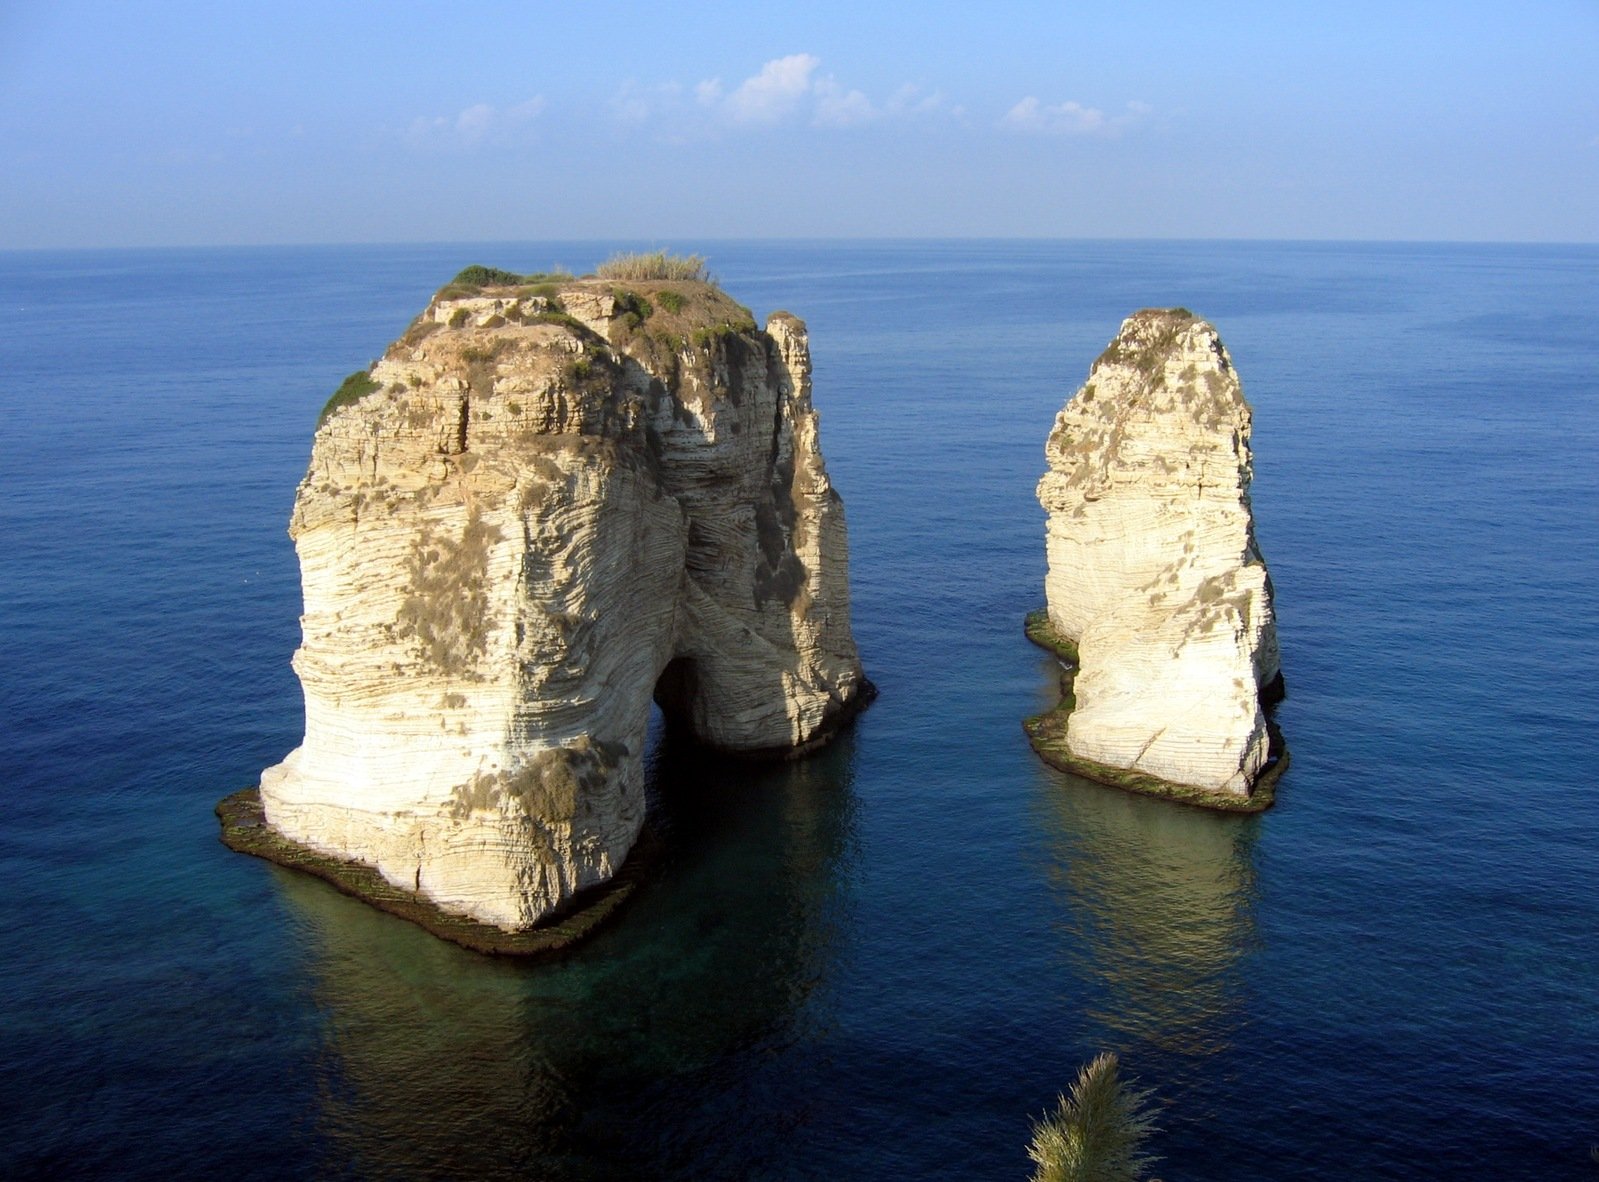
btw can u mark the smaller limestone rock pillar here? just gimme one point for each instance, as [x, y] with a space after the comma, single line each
[1154, 572]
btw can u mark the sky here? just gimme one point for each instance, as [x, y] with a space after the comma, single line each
[186, 123]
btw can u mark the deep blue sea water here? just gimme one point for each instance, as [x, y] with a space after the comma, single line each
[882, 961]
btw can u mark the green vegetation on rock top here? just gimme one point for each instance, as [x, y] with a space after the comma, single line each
[479, 276]
[1145, 349]
[354, 388]
[471, 280]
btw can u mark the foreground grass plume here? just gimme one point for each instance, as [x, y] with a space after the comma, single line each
[1097, 1133]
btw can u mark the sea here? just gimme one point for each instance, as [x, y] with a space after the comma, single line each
[886, 960]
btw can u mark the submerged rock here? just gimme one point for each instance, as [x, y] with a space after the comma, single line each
[1154, 573]
[542, 507]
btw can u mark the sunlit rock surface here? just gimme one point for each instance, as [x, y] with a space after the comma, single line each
[1154, 572]
[546, 505]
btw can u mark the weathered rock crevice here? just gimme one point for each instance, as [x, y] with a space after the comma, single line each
[551, 507]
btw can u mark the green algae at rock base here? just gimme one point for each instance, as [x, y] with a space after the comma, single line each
[244, 829]
[1047, 734]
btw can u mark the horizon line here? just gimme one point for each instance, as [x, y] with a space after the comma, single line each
[859, 239]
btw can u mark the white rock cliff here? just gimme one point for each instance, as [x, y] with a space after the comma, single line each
[542, 507]
[1154, 572]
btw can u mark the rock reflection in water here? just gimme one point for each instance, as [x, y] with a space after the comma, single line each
[663, 1047]
[1158, 908]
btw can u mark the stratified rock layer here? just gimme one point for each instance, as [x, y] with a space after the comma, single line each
[1154, 573]
[543, 507]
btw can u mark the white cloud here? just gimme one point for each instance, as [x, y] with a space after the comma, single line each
[636, 104]
[1030, 116]
[474, 124]
[773, 93]
[789, 88]
[522, 112]
[474, 121]
[838, 107]
[909, 100]
[1069, 118]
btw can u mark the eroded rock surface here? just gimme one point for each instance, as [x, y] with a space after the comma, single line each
[1154, 572]
[545, 505]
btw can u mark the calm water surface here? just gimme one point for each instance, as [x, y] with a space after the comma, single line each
[882, 961]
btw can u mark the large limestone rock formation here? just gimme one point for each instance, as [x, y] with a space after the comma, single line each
[1154, 573]
[544, 505]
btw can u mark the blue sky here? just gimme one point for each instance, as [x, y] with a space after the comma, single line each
[142, 124]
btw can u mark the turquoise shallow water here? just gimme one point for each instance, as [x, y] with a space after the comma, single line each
[883, 960]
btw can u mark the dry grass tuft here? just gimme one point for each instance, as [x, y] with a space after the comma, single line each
[658, 264]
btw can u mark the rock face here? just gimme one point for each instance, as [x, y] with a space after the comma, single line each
[542, 507]
[1154, 573]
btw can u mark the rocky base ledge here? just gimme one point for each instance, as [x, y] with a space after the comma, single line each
[1047, 733]
[244, 829]
[833, 724]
